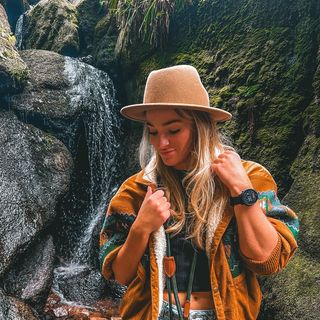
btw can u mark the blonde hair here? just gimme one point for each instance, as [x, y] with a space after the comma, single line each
[206, 194]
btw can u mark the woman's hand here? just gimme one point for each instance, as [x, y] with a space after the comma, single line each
[229, 169]
[153, 213]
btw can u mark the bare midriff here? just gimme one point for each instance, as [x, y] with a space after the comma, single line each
[198, 301]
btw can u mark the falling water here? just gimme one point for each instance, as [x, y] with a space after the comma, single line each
[19, 32]
[92, 92]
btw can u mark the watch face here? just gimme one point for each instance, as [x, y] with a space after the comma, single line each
[249, 197]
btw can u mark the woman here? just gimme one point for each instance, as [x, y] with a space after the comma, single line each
[189, 233]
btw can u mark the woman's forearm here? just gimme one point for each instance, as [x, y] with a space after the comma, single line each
[257, 236]
[153, 213]
[126, 263]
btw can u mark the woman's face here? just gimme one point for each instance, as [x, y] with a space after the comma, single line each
[171, 136]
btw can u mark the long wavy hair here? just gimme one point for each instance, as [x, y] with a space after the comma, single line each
[206, 195]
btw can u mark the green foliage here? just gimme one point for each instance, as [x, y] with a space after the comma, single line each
[146, 20]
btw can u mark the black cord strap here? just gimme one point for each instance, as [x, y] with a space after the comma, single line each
[172, 284]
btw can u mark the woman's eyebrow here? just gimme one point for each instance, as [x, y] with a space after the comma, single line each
[166, 123]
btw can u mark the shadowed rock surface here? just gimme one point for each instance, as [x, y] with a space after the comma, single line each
[13, 309]
[34, 172]
[30, 279]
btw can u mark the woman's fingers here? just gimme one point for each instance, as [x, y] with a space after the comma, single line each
[158, 194]
[148, 194]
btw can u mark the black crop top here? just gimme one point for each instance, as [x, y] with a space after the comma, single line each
[182, 250]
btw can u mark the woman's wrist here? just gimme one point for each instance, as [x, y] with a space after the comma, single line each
[235, 190]
[140, 231]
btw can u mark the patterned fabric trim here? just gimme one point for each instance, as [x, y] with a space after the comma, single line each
[273, 208]
[117, 223]
[114, 233]
[231, 247]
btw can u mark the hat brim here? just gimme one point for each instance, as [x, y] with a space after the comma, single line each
[136, 112]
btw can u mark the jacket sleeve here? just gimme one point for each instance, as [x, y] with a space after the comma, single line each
[121, 214]
[283, 219]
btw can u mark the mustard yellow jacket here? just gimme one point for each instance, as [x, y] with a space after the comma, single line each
[235, 289]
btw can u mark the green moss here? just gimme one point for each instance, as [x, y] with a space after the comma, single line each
[300, 299]
[19, 72]
[53, 26]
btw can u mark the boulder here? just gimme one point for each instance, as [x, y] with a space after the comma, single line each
[34, 173]
[45, 92]
[52, 25]
[14, 309]
[30, 278]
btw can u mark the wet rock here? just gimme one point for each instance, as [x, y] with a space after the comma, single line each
[52, 25]
[31, 277]
[101, 310]
[13, 71]
[59, 92]
[14, 309]
[80, 283]
[32, 180]
[45, 92]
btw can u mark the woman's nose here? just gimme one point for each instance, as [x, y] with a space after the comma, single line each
[163, 141]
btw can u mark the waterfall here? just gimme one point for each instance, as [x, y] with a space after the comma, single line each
[19, 32]
[91, 91]
[19, 29]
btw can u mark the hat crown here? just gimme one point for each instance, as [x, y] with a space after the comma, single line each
[178, 84]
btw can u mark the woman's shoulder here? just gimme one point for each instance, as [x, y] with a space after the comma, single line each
[138, 179]
[260, 176]
[134, 186]
[130, 195]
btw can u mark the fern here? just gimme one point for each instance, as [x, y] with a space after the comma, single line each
[146, 20]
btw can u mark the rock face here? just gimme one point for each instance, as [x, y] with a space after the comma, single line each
[30, 278]
[34, 172]
[295, 292]
[13, 309]
[52, 25]
[45, 92]
[13, 71]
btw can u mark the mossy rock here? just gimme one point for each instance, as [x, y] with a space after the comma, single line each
[294, 293]
[13, 71]
[304, 195]
[89, 12]
[52, 25]
[104, 43]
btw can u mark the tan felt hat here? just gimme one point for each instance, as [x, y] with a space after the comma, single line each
[171, 88]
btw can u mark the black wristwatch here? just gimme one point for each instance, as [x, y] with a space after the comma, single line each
[247, 197]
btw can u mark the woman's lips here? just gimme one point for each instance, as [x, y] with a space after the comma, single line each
[166, 152]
